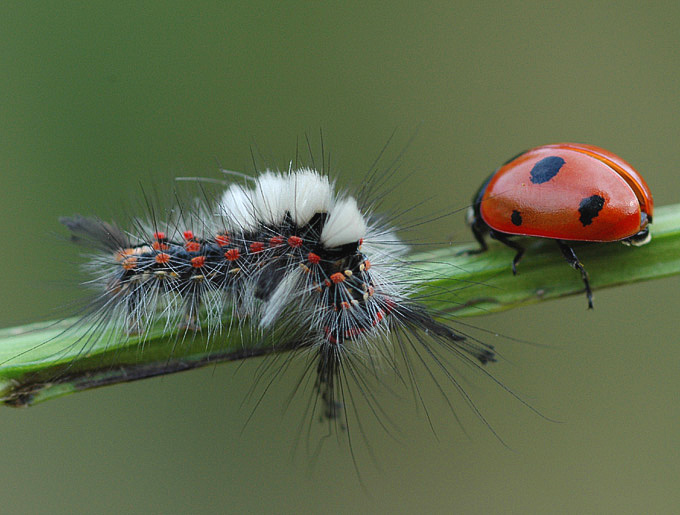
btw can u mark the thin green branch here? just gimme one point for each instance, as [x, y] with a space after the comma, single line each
[43, 361]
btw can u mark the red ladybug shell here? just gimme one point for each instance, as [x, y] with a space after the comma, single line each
[567, 191]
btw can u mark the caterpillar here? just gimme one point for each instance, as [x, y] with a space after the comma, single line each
[279, 250]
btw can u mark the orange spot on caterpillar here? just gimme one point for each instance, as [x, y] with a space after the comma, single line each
[232, 254]
[157, 245]
[329, 335]
[276, 241]
[159, 235]
[192, 246]
[162, 258]
[198, 261]
[313, 258]
[129, 263]
[222, 239]
[337, 277]
[123, 253]
[378, 317]
[188, 235]
[354, 332]
[256, 246]
[295, 241]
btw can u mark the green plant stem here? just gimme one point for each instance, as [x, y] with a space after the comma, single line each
[44, 361]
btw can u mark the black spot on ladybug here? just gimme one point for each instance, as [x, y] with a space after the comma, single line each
[589, 208]
[546, 169]
[516, 218]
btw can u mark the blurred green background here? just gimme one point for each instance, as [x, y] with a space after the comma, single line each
[96, 98]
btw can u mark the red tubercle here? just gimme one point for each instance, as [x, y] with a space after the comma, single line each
[295, 242]
[337, 277]
[158, 245]
[129, 263]
[162, 258]
[192, 246]
[354, 332]
[315, 259]
[232, 254]
[329, 336]
[123, 253]
[347, 335]
[345, 305]
[256, 247]
[198, 261]
[382, 313]
[275, 241]
[223, 239]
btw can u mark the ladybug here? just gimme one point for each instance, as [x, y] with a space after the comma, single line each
[566, 192]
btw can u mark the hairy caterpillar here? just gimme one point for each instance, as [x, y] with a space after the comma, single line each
[285, 257]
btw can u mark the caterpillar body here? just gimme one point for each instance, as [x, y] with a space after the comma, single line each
[280, 249]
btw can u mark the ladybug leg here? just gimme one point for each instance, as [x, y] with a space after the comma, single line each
[479, 233]
[571, 258]
[479, 230]
[499, 236]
